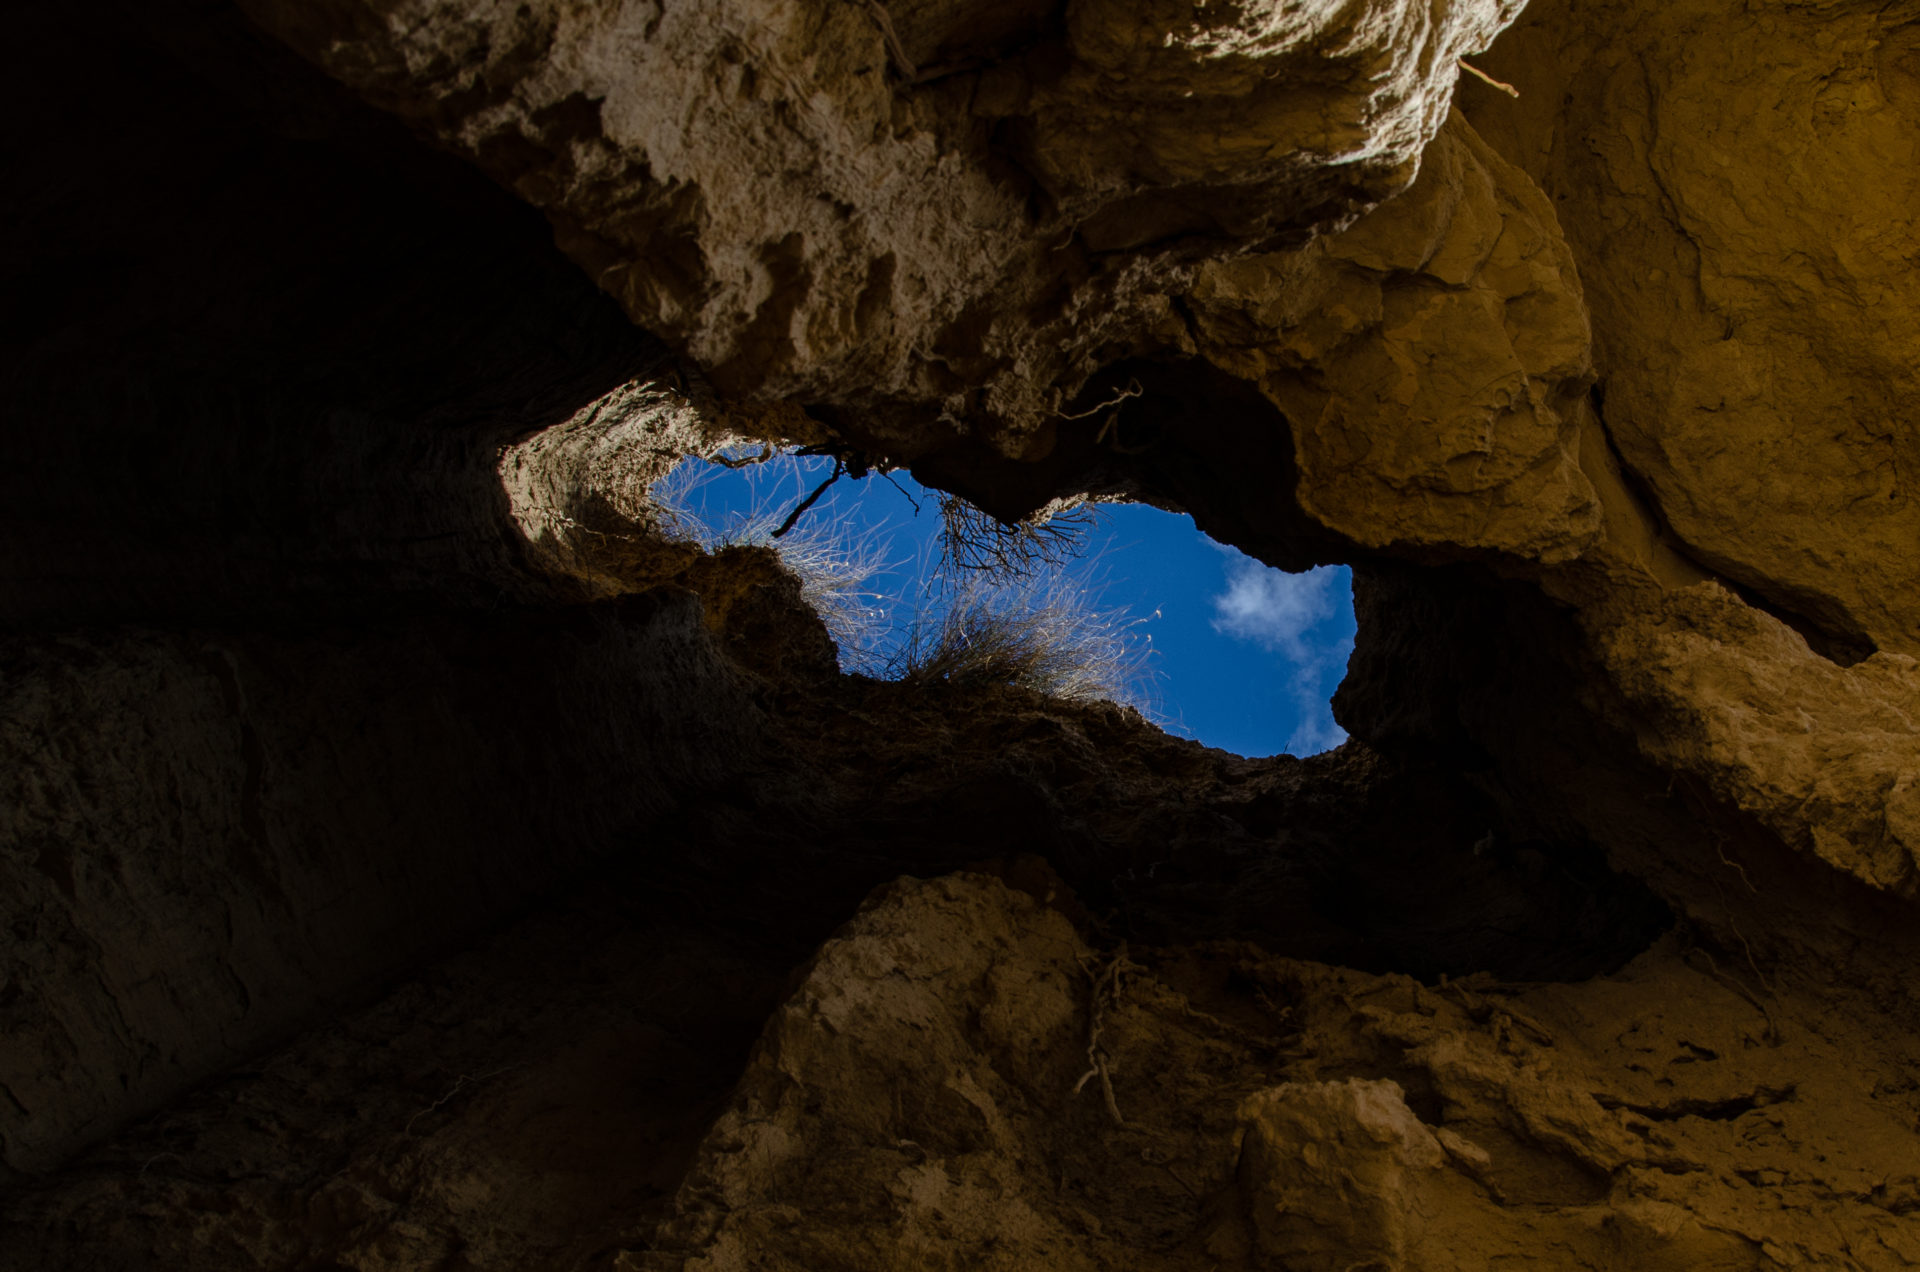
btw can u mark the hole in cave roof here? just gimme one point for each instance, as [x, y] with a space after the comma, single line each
[1217, 646]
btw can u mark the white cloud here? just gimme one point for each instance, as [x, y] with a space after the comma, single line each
[1315, 736]
[1272, 607]
[1278, 610]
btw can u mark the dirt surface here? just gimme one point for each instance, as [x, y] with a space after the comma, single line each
[960, 1078]
[1057, 1106]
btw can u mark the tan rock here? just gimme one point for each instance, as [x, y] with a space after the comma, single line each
[1429, 360]
[1826, 756]
[874, 1128]
[1335, 1173]
[1738, 187]
[950, 219]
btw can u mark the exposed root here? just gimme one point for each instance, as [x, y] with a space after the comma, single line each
[839, 469]
[1751, 961]
[895, 49]
[1109, 435]
[1713, 969]
[1106, 994]
[460, 1084]
[1720, 846]
[1133, 390]
[1476, 72]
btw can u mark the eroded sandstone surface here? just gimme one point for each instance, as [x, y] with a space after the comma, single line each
[417, 856]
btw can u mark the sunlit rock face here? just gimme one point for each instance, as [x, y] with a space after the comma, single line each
[1738, 190]
[1734, 191]
[1433, 360]
[416, 857]
[914, 210]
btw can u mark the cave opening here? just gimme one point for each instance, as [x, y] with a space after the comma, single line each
[1205, 641]
[1399, 853]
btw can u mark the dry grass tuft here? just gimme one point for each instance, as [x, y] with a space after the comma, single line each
[1045, 634]
[1000, 609]
[833, 562]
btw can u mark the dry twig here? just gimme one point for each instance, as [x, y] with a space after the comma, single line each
[974, 540]
[1502, 85]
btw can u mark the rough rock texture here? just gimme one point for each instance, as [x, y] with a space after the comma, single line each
[514, 1107]
[1268, 1109]
[1453, 316]
[284, 703]
[579, 491]
[929, 208]
[263, 346]
[1421, 382]
[211, 834]
[1739, 189]
[341, 630]
[1825, 756]
[1265, 1112]
[1731, 188]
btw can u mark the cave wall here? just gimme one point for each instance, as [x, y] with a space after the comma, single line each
[339, 627]
[1726, 181]
[1737, 187]
[264, 344]
[280, 714]
[926, 210]
[213, 835]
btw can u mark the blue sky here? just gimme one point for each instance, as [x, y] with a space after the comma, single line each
[1244, 657]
